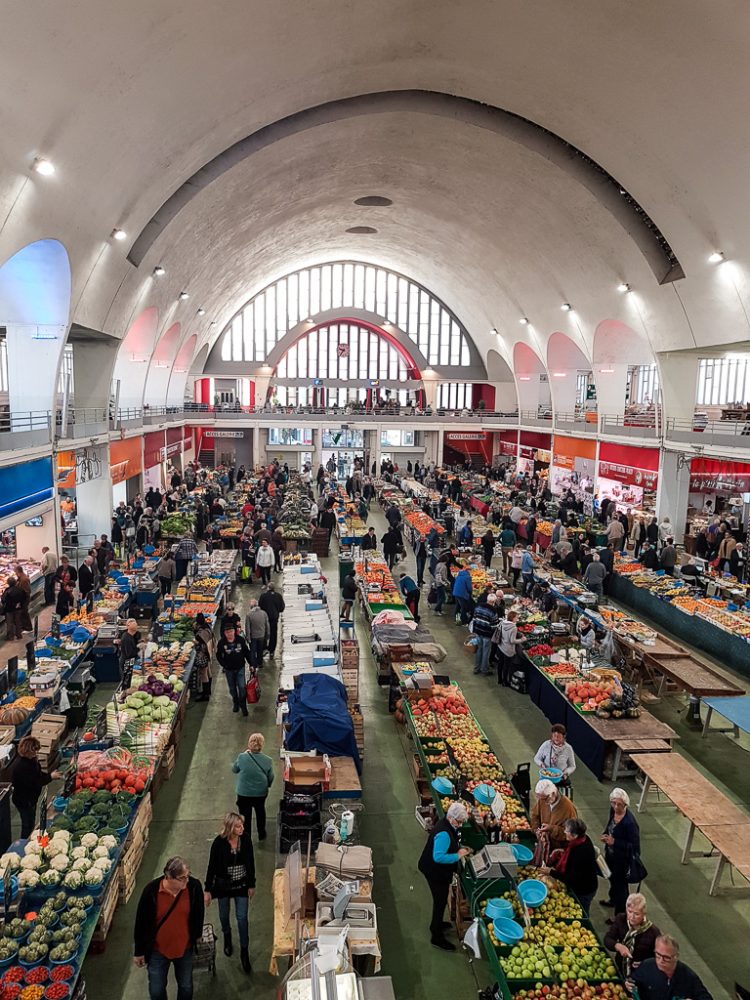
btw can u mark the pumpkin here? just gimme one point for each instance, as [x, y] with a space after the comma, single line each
[399, 717]
[13, 716]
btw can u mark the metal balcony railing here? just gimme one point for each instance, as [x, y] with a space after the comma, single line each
[638, 425]
[31, 420]
[700, 430]
[585, 423]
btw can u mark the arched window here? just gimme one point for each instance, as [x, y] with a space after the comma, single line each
[261, 323]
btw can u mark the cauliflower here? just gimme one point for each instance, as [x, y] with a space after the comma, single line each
[100, 852]
[80, 865]
[54, 848]
[51, 877]
[102, 864]
[10, 860]
[79, 852]
[107, 841]
[60, 863]
[33, 847]
[31, 862]
[28, 879]
[89, 840]
[73, 880]
[61, 835]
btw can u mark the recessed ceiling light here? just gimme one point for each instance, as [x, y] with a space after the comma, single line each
[44, 166]
[183, 295]
[559, 375]
[716, 257]
[159, 270]
[493, 331]
[606, 371]
[373, 201]
[362, 230]
[623, 287]
[523, 321]
[201, 311]
[566, 307]
[119, 234]
[524, 378]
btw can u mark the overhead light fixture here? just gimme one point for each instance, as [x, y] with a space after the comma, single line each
[159, 271]
[201, 311]
[309, 320]
[493, 331]
[606, 371]
[524, 378]
[43, 166]
[212, 323]
[559, 374]
[566, 307]
[623, 287]
[523, 321]
[119, 234]
[716, 257]
[183, 295]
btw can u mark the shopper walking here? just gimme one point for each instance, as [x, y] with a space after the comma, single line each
[233, 653]
[527, 572]
[439, 863]
[508, 649]
[130, 644]
[668, 556]
[48, 567]
[595, 575]
[12, 604]
[168, 922]
[205, 647]
[277, 545]
[488, 547]
[264, 560]
[348, 596]
[420, 555]
[273, 604]
[441, 585]
[507, 541]
[254, 771]
[548, 815]
[86, 577]
[483, 626]
[28, 779]
[463, 596]
[516, 561]
[393, 546]
[257, 632]
[186, 552]
[166, 571]
[412, 594]
[665, 975]
[622, 843]
[25, 584]
[575, 865]
[231, 876]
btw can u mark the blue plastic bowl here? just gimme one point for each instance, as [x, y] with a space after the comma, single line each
[484, 794]
[532, 892]
[60, 803]
[553, 774]
[523, 853]
[498, 909]
[507, 931]
[443, 786]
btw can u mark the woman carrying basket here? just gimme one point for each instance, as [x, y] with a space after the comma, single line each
[231, 876]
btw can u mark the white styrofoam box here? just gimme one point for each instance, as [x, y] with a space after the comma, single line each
[324, 659]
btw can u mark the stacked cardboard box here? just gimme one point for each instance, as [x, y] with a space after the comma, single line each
[49, 729]
[350, 669]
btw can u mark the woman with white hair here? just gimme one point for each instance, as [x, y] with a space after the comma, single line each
[548, 815]
[632, 936]
[622, 842]
[439, 863]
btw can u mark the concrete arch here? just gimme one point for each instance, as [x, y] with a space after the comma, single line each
[157, 379]
[500, 377]
[575, 162]
[564, 360]
[132, 365]
[179, 373]
[35, 288]
[617, 346]
[532, 382]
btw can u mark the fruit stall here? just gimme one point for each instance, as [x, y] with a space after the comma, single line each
[377, 586]
[550, 947]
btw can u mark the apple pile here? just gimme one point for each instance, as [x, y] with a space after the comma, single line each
[572, 989]
[588, 695]
[445, 725]
[526, 961]
[585, 963]
[561, 934]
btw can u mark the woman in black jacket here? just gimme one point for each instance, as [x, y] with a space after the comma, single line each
[488, 547]
[576, 864]
[28, 781]
[231, 876]
[622, 840]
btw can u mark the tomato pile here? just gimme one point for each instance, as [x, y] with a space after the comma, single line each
[38, 975]
[57, 991]
[111, 779]
[62, 972]
[541, 649]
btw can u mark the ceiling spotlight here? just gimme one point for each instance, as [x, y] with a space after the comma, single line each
[623, 287]
[716, 257]
[559, 375]
[201, 311]
[523, 321]
[44, 167]
[183, 295]
[566, 307]
[524, 378]
[493, 331]
[607, 371]
[159, 271]
[119, 234]
[309, 320]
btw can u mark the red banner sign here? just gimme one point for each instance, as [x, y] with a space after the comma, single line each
[466, 436]
[627, 474]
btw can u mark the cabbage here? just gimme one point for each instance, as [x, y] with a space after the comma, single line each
[73, 880]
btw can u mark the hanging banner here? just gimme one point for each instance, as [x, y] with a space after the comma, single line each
[174, 441]
[65, 470]
[25, 485]
[154, 449]
[225, 434]
[125, 459]
[712, 475]
[630, 476]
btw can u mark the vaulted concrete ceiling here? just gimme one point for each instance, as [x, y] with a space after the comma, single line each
[131, 102]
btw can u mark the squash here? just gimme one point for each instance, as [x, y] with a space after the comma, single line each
[13, 716]
[399, 717]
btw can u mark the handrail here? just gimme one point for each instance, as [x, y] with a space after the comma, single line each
[24, 421]
[698, 424]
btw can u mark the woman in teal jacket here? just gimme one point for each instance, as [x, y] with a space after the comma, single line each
[254, 771]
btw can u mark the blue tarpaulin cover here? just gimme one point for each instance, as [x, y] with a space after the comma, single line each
[318, 718]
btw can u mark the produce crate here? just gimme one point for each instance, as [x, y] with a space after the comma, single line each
[350, 653]
[359, 728]
[168, 762]
[106, 916]
[350, 677]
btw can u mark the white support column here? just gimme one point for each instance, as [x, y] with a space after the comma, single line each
[94, 499]
[672, 491]
[33, 358]
[678, 373]
[611, 380]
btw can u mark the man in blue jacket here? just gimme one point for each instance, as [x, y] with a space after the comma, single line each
[527, 572]
[483, 626]
[462, 593]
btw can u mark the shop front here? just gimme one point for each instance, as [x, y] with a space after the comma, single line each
[573, 465]
[126, 467]
[291, 445]
[505, 448]
[534, 453]
[27, 518]
[717, 486]
[629, 476]
[154, 454]
[230, 447]
[462, 446]
[341, 449]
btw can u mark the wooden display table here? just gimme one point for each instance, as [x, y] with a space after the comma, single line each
[665, 661]
[630, 746]
[722, 823]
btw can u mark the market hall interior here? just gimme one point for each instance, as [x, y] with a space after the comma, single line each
[517, 233]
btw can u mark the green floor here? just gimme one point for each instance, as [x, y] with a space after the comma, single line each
[713, 931]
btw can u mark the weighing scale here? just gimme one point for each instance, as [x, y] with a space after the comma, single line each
[494, 861]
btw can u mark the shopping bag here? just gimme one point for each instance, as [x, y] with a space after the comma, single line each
[602, 865]
[432, 595]
[252, 690]
[637, 871]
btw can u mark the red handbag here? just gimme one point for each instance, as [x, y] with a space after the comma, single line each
[252, 690]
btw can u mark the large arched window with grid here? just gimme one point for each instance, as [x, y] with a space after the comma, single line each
[261, 323]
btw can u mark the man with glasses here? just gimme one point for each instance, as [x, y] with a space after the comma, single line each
[168, 922]
[664, 976]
